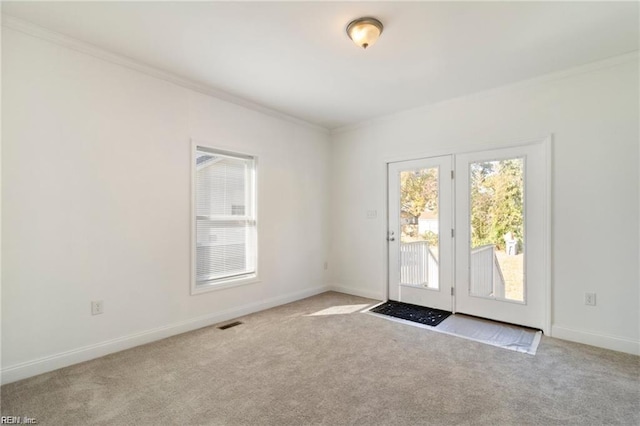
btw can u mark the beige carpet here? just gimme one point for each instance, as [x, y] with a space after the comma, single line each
[287, 367]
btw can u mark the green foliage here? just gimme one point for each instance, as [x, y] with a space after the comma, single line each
[419, 191]
[430, 237]
[481, 205]
[496, 202]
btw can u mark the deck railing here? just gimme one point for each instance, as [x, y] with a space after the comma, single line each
[418, 264]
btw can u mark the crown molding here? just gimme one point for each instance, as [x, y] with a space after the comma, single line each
[100, 53]
[545, 78]
[115, 58]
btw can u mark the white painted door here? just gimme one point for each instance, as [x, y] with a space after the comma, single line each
[501, 234]
[419, 232]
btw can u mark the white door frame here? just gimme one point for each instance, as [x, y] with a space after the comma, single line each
[439, 297]
[547, 144]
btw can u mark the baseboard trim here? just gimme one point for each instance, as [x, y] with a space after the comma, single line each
[64, 359]
[614, 343]
[357, 292]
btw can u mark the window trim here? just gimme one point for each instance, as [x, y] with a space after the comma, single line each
[229, 282]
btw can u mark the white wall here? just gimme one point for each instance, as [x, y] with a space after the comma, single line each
[96, 206]
[96, 175]
[593, 116]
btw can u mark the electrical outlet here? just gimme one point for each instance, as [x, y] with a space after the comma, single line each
[590, 299]
[97, 307]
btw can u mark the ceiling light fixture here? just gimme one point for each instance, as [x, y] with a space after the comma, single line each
[364, 31]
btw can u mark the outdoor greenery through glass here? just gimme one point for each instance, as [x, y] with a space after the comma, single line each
[497, 229]
[419, 245]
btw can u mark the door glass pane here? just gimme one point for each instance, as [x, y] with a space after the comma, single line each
[497, 229]
[419, 227]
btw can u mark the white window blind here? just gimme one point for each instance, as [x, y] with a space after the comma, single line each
[225, 222]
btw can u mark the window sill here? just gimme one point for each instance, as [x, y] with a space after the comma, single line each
[206, 288]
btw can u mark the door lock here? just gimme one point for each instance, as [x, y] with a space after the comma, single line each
[391, 236]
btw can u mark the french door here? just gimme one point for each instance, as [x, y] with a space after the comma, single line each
[420, 217]
[472, 241]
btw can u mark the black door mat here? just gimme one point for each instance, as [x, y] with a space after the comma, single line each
[409, 312]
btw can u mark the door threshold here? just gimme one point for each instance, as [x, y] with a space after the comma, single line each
[507, 336]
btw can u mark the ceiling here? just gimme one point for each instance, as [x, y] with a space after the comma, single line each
[295, 57]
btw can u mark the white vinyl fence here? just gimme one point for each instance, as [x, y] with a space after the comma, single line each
[485, 273]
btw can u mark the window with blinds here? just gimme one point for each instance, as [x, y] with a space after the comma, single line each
[225, 220]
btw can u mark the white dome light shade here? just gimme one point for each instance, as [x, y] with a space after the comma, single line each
[364, 31]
